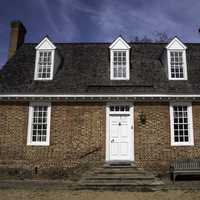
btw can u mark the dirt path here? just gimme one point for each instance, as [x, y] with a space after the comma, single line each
[13, 194]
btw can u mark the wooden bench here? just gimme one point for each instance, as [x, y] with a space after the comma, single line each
[185, 167]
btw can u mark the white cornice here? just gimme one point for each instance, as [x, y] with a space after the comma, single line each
[97, 95]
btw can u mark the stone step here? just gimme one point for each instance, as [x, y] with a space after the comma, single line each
[123, 188]
[122, 164]
[119, 177]
[118, 171]
[118, 166]
[123, 183]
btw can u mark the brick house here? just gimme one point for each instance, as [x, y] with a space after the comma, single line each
[66, 104]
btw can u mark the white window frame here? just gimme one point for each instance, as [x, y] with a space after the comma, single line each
[44, 45]
[30, 123]
[184, 64]
[37, 64]
[112, 65]
[119, 104]
[190, 124]
[176, 46]
[119, 45]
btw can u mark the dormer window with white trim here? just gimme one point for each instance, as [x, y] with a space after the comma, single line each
[176, 58]
[119, 64]
[44, 62]
[45, 65]
[119, 60]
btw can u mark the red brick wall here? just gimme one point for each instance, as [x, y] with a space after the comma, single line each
[152, 140]
[76, 132]
[78, 135]
[13, 129]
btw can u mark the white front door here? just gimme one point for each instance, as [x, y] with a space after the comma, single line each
[120, 134]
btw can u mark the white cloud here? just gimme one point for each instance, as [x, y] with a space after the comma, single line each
[123, 19]
[113, 17]
[61, 23]
[116, 17]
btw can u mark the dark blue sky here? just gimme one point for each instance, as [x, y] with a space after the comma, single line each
[99, 20]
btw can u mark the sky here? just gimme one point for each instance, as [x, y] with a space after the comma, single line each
[99, 20]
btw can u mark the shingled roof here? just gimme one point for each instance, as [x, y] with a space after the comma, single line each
[85, 69]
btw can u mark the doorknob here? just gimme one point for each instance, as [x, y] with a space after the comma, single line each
[112, 140]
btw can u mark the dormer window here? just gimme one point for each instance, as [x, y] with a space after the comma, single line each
[120, 64]
[176, 64]
[119, 60]
[45, 65]
[44, 62]
[176, 57]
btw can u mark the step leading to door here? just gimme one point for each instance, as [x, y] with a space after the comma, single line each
[118, 177]
[117, 164]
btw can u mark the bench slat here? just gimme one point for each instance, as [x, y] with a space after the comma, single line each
[187, 166]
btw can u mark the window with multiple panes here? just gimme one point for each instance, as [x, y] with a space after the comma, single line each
[44, 68]
[39, 123]
[181, 124]
[177, 65]
[119, 108]
[119, 65]
[176, 60]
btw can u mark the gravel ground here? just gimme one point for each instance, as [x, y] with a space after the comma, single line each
[20, 194]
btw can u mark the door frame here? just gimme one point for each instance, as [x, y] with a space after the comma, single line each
[132, 157]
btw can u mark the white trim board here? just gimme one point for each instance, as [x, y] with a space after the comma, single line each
[119, 43]
[176, 43]
[98, 95]
[45, 43]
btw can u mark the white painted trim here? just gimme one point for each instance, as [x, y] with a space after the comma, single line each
[132, 132]
[176, 40]
[45, 40]
[30, 121]
[98, 95]
[37, 66]
[126, 46]
[190, 124]
[185, 76]
[108, 132]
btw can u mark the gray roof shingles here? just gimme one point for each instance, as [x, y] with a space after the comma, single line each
[85, 69]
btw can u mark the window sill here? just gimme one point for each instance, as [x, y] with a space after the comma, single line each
[178, 79]
[38, 144]
[182, 144]
[43, 79]
[119, 79]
